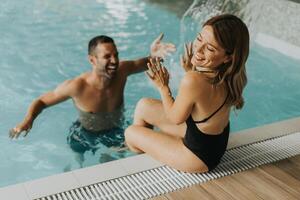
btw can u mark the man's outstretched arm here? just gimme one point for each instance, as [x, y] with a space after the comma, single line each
[158, 49]
[61, 93]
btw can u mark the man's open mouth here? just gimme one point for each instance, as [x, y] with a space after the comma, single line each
[112, 67]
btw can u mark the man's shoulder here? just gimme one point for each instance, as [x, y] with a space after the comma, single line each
[75, 84]
[81, 79]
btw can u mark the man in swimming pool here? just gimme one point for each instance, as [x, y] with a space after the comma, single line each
[97, 94]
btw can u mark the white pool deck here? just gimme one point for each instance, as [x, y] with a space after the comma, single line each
[114, 169]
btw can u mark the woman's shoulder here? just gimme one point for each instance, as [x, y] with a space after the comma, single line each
[195, 79]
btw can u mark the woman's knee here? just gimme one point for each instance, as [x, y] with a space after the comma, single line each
[130, 133]
[143, 104]
[143, 112]
[129, 138]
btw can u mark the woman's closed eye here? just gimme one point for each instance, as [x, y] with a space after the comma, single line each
[210, 49]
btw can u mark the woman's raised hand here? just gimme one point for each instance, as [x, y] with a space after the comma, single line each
[158, 73]
[185, 59]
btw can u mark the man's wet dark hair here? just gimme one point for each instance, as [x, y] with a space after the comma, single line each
[98, 40]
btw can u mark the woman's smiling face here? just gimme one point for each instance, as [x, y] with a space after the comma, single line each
[206, 50]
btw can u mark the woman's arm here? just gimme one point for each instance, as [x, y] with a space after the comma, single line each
[178, 110]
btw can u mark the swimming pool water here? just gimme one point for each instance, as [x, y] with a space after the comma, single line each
[45, 42]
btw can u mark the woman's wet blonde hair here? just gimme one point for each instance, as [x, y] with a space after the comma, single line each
[233, 36]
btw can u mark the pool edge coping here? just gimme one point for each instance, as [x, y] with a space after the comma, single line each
[86, 176]
[272, 42]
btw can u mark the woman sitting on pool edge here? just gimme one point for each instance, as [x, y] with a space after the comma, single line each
[195, 125]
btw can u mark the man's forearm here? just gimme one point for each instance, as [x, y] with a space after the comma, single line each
[142, 62]
[35, 109]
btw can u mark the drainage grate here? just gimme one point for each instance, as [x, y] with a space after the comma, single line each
[161, 180]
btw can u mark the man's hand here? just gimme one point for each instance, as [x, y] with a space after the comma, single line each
[24, 126]
[160, 49]
[185, 59]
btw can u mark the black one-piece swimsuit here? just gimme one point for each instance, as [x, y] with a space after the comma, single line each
[209, 148]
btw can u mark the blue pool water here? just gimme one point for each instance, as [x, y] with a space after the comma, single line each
[45, 42]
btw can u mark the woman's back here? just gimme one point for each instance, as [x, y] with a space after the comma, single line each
[208, 100]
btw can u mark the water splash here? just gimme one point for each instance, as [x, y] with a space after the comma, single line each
[201, 10]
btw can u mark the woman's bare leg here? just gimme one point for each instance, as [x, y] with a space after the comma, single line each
[150, 112]
[165, 148]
